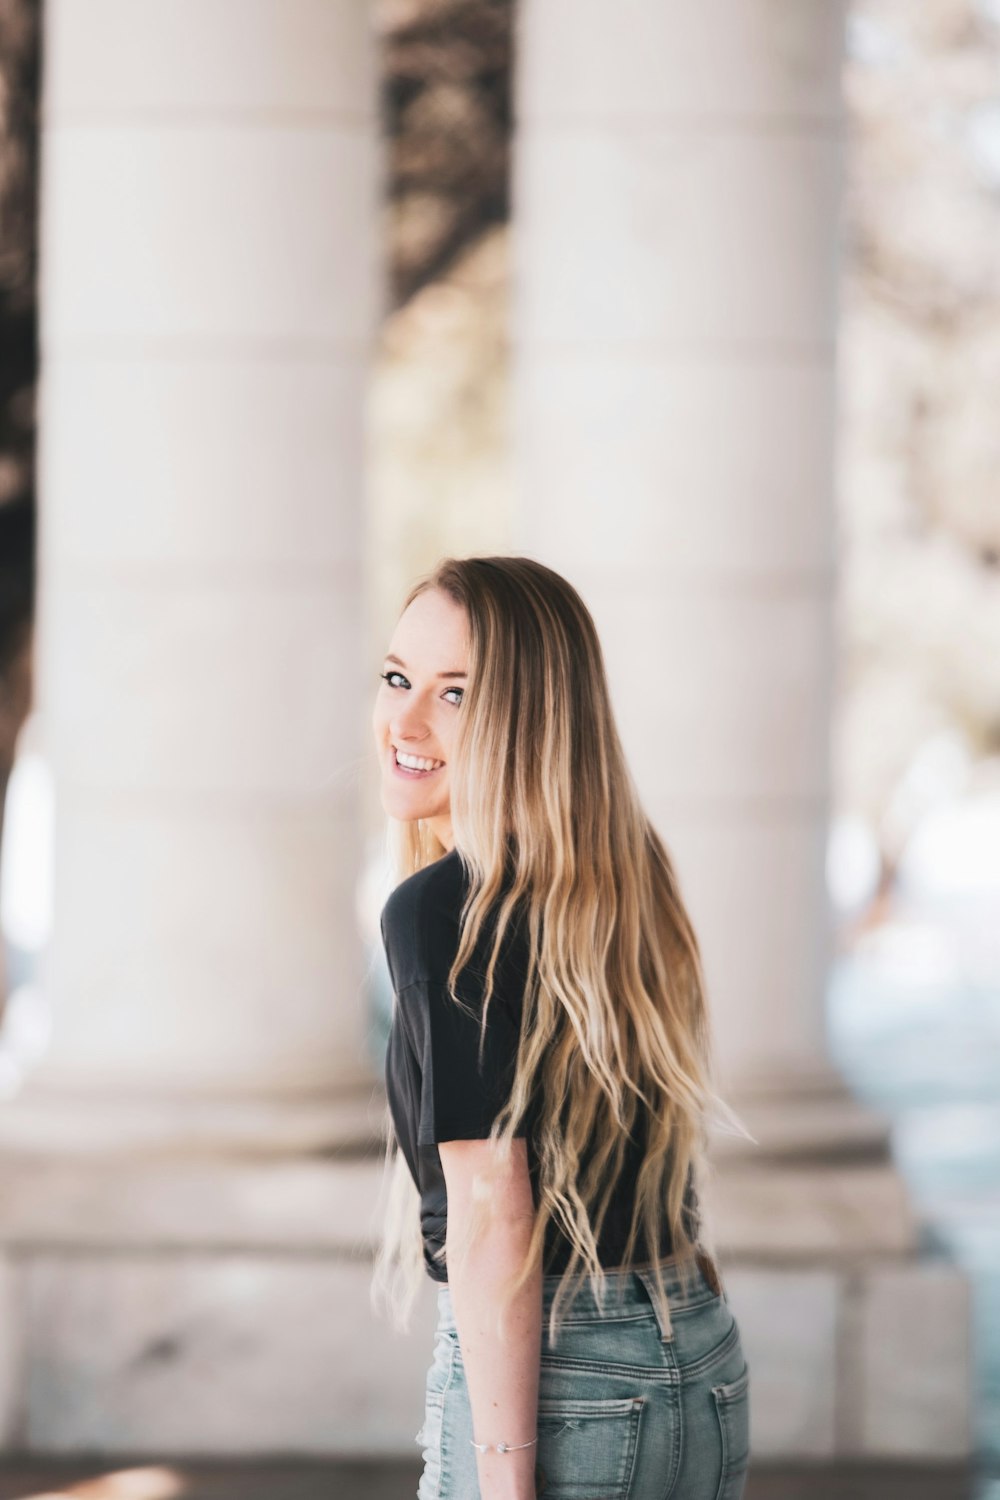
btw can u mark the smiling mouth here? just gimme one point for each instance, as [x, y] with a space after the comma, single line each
[427, 766]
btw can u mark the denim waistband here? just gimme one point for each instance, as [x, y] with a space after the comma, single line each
[692, 1279]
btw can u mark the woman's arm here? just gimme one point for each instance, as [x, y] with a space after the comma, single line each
[502, 1376]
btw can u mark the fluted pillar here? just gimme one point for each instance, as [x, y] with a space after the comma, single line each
[209, 196]
[676, 197]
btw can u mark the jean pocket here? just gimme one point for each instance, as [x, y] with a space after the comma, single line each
[429, 1436]
[586, 1448]
[732, 1406]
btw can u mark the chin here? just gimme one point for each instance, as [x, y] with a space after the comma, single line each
[404, 810]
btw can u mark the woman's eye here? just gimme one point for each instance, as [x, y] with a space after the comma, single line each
[385, 676]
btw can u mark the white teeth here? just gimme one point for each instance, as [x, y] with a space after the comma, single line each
[417, 762]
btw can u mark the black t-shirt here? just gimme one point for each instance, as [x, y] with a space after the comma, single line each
[435, 1086]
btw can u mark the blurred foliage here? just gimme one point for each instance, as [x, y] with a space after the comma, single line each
[439, 458]
[20, 28]
[920, 382]
[446, 104]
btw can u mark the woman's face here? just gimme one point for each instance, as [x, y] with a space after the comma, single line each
[416, 710]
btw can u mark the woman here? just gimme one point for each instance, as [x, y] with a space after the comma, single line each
[547, 1069]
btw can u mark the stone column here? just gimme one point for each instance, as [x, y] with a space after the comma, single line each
[675, 303]
[676, 193]
[208, 305]
[209, 200]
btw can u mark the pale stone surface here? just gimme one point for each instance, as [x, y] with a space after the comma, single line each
[205, 1354]
[208, 444]
[788, 1326]
[697, 237]
[204, 947]
[823, 1123]
[214, 56]
[688, 467]
[759, 60]
[707, 246]
[758, 678]
[208, 282]
[147, 1201]
[10, 1353]
[210, 225]
[231, 692]
[913, 1367]
[73, 1118]
[235, 233]
[696, 319]
[828, 1214]
[744, 870]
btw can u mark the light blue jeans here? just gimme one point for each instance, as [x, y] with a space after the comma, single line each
[631, 1406]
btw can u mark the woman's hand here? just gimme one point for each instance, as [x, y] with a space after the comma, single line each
[501, 1373]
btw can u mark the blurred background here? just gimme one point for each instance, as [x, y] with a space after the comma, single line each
[699, 305]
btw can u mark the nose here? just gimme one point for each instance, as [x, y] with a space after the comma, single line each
[407, 723]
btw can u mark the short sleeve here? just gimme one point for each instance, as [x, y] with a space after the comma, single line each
[462, 1096]
[459, 1093]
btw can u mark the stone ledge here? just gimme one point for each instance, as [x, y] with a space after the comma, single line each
[823, 1213]
[221, 1354]
[173, 1348]
[761, 1213]
[831, 1127]
[42, 1122]
[867, 1363]
[123, 1203]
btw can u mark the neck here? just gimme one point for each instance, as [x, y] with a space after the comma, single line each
[441, 828]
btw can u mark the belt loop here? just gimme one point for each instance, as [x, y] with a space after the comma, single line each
[711, 1273]
[662, 1314]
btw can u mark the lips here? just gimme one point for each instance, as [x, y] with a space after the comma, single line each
[414, 772]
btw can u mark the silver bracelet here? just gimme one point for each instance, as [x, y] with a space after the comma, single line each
[502, 1447]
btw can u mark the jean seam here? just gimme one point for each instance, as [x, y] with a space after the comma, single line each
[667, 1376]
[713, 1357]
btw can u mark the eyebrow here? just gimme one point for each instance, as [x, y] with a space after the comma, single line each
[389, 657]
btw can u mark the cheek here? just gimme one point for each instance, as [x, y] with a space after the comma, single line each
[446, 736]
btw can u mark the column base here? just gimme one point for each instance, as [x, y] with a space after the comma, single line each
[66, 1123]
[804, 1115]
[857, 1334]
[186, 1299]
[200, 1304]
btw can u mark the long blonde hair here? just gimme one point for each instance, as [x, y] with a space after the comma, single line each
[548, 823]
